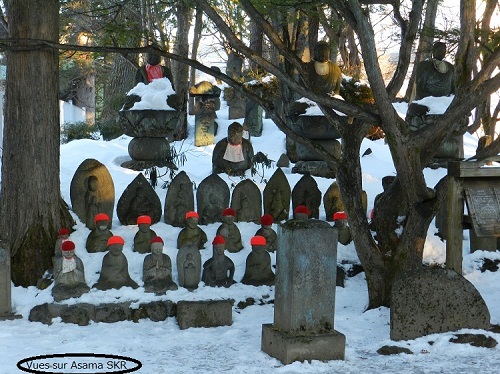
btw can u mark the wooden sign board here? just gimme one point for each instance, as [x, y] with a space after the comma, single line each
[483, 203]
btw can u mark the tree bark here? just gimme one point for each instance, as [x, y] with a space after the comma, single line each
[194, 52]
[32, 210]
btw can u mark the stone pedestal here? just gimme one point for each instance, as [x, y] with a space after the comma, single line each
[304, 305]
[204, 313]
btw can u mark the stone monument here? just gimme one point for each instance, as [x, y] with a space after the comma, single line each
[157, 269]
[258, 270]
[304, 304]
[229, 231]
[234, 154]
[114, 269]
[306, 192]
[189, 266]
[266, 230]
[212, 197]
[218, 271]
[333, 203]
[179, 200]
[92, 191]
[138, 199]
[192, 234]
[235, 100]
[277, 195]
[69, 274]
[247, 201]
[97, 240]
[207, 102]
[143, 237]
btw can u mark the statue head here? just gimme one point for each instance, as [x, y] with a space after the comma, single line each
[157, 245]
[68, 249]
[322, 51]
[266, 220]
[101, 221]
[228, 215]
[301, 212]
[192, 219]
[144, 223]
[219, 245]
[115, 245]
[439, 50]
[235, 133]
[63, 233]
[258, 244]
[153, 58]
[92, 183]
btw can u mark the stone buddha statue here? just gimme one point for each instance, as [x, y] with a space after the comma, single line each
[192, 233]
[157, 269]
[114, 270]
[324, 75]
[142, 239]
[230, 231]
[153, 70]
[301, 212]
[69, 274]
[97, 241]
[234, 154]
[258, 270]
[344, 231]
[218, 271]
[266, 230]
[62, 236]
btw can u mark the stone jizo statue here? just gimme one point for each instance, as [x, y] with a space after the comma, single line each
[266, 230]
[344, 231]
[157, 269]
[233, 155]
[258, 270]
[142, 239]
[153, 70]
[301, 212]
[189, 266]
[324, 75]
[192, 233]
[69, 274]
[230, 231]
[62, 236]
[114, 270]
[218, 271]
[97, 241]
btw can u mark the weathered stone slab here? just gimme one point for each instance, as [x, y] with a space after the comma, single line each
[179, 200]
[204, 313]
[247, 201]
[313, 127]
[307, 154]
[432, 301]
[138, 199]
[212, 197]
[323, 169]
[277, 195]
[92, 191]
[289, 348]
[306, 192]
[253, 118]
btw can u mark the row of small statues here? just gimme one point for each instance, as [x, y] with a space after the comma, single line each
[218, 271]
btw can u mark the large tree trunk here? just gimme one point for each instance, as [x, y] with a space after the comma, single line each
[31, 207]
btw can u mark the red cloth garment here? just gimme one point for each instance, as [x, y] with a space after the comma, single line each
[153, 72]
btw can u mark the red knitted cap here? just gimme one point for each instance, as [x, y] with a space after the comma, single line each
[157, 239]
[144, 219]
[219, 239]
[68, 245]
[101, 217]
[302, 209]
[229, 212]
[116, 240]
[266, 220]
[192, 214]
[258, 240]
[64, 231]
[339, 215]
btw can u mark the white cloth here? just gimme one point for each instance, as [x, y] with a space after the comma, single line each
[234, 153]
[68, 265]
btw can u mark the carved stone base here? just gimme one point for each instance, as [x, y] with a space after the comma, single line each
[141, 165]
[316, 168]
[289, 348]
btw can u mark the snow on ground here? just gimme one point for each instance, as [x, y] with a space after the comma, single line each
[163, 348]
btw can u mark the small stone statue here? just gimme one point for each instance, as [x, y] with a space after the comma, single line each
[97, 241]
[324, 75]
[153, 70]
[69, 274]
[114, 270]
[192, 233]
[258, 270]
[218, 271]
[233, 155]
[266, 230]
[157, 269]
[62, 236]
[340, 223]
[230, 231]
[301, 212]
[142, 239]
[189, 266]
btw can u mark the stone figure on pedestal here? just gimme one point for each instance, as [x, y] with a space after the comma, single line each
[258, 270]
[266, 230]
[233, 155]
[344, 231]
[114, 270]
[153, 70]
[97, 241]
[142, 239]
[324, 75]
[230, 231]
[218, 271]
[192, 233]
[69, 274]
[157, 269]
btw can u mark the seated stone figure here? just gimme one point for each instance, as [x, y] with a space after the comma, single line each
[258, 270]
[229, 231]
[233, 155]
[192, 233]
[142, 238]
[344, 231]
[62, 236]
[218, 271]
[114, 270]
[266, 230]
[153, 70]
[157, 269]
[69, 274]
[324, 75]
[301, 212]
[97, 241]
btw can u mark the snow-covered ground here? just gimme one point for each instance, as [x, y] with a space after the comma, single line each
[162, 347]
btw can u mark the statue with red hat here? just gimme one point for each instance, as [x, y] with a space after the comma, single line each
[266, 230]
[157, 269]
[62, 236]
[97, 241]
[230, 231]
[258, 270]
[192, 233]
[218, 271]
[114, 269]
[142, 239]
[69, 274]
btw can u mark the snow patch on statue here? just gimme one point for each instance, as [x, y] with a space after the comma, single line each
[153, 95]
